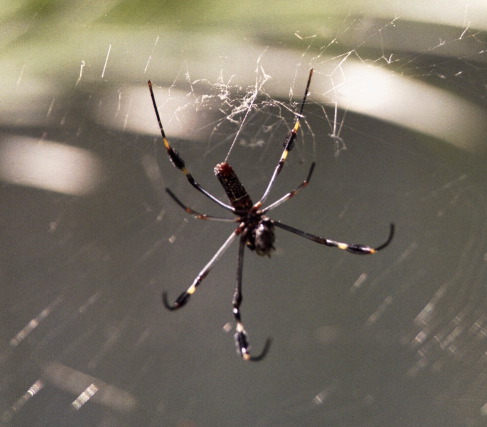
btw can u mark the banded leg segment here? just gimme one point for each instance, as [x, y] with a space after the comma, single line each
[290, 140]
[184, 297]
[291, 194]
[352, 248]
[241, 338]
[178, 161]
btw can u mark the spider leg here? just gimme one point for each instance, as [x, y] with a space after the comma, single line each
[291, 194]
[289, 141]
[241, 338]
[353, 248]
[198, 215]
[184, 297]
[178, 161]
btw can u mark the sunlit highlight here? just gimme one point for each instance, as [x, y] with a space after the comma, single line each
[377, 92]
[86, 388]
[34, 323]
[84, 397]
[129, 111]
[21, 401]
[49, 166]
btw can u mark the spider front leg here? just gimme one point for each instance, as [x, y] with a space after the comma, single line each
[289, 141]
[241, 338]
[178, 161]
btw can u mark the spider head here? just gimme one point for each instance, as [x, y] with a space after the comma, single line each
[261, 237]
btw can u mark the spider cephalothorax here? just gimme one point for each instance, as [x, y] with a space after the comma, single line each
[255, 229]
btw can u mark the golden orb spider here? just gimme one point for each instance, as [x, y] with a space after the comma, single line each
[255, 229]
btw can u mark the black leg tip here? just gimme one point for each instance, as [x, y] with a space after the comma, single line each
[180, 301]
[263, 353]
[389, 239]
[166, 302]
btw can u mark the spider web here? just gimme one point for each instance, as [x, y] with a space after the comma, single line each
[395, 121]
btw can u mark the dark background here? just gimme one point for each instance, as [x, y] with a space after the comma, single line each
[89, 239]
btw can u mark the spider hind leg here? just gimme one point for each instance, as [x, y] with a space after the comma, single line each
[242, 343]
[241, 337]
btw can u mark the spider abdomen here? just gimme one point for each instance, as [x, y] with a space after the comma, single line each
[261, 238]
[236, 192]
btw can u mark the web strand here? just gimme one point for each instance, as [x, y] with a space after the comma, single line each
[258, 86]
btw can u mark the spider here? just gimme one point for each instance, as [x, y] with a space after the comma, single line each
[254, 230]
